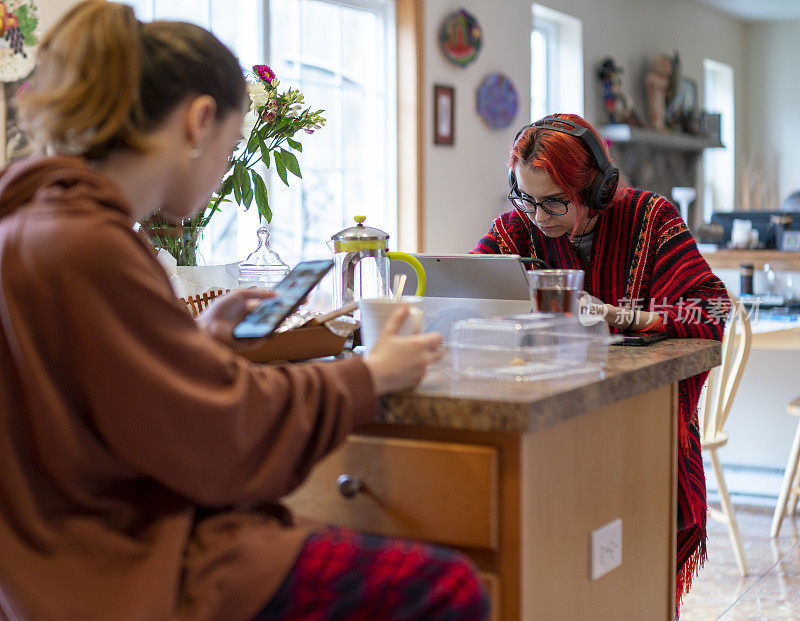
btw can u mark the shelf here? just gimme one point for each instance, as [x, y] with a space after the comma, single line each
[625, 134]
[777, 259]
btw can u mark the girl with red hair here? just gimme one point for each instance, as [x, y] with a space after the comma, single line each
[639, 259]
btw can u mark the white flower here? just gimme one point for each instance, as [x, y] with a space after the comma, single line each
[258, 95]
[248, 124]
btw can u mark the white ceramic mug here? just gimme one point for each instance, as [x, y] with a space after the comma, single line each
[375, 313]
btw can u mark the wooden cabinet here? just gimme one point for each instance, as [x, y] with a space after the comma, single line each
[523, 505]
[438, 491]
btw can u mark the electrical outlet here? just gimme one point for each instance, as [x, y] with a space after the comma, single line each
[606, 548]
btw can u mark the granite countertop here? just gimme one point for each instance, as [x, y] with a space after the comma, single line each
[447, 400]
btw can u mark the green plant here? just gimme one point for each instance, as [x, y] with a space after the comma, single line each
[269, 137]
[273, 120]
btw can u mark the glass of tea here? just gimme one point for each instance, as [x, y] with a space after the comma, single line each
[556, 291]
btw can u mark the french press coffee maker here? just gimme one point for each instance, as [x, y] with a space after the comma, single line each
[361, 264]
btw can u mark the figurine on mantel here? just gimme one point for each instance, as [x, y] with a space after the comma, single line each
[656, 82]
[618, 105]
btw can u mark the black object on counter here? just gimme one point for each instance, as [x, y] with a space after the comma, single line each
[746, 278]
[641, 338]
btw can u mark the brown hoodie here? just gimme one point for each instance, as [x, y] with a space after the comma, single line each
[141, 462]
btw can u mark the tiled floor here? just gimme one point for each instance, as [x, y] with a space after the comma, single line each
[771, 591]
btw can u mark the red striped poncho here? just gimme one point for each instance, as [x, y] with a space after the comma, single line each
[643, 256]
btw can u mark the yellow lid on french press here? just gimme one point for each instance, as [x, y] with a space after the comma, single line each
[359, 237]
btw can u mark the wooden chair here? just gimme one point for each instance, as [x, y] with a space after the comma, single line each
[787, 501]
[723, 382]
[196, 303]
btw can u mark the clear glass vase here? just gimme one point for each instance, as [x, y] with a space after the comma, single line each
[180, 241]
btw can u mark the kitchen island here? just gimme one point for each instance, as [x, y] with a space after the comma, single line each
[519, 474]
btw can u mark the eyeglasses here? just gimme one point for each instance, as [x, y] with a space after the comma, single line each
[552, 206]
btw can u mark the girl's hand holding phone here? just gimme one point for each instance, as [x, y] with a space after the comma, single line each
[225, 311]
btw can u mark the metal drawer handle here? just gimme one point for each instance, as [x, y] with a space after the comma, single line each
[348, 485]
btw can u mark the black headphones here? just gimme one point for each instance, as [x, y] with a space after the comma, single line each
[600, 192]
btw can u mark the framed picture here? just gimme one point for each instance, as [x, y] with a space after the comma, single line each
[689, 89]
[710, 125]
[443, 114]
[683, 103]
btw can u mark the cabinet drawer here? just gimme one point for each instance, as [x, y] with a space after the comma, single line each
[437, 491]
[492, 584]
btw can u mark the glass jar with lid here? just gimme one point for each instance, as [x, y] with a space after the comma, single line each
[263, 268]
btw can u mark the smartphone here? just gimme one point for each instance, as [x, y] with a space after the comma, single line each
[265, 318]
[642, 338]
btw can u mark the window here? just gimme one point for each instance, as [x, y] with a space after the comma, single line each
[556, 63]
[350, 166]
[341, 55]
[235, 22]
[718, 164]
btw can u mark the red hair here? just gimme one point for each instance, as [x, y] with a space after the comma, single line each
[564, 157]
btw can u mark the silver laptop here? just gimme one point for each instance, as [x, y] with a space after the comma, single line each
[482, 276]
[463, 286]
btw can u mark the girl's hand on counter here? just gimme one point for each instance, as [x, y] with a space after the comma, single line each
[630, 320]
[227, 310]
[397, 362]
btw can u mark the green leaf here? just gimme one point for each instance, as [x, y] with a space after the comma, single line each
[295, 145]
[262, 200]
[27, 24]
[237, 193]
[247, 195]
[227, 186]
[253, 142]
[264, 151]
[290, 161]
[220, 197]
[237, 182]
[243, 181]
[280, 167]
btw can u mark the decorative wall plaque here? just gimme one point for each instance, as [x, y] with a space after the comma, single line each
[460, 37]
[497, 101]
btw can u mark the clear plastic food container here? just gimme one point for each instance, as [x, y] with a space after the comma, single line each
[529, 347]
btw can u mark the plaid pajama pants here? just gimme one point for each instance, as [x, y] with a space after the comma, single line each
[343, 575]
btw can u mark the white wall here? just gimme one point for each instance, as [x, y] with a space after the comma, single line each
[465, 185]
[51, 10]
[773, 103]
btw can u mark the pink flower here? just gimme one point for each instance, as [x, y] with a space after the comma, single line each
[265, 73]
[23, 87]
